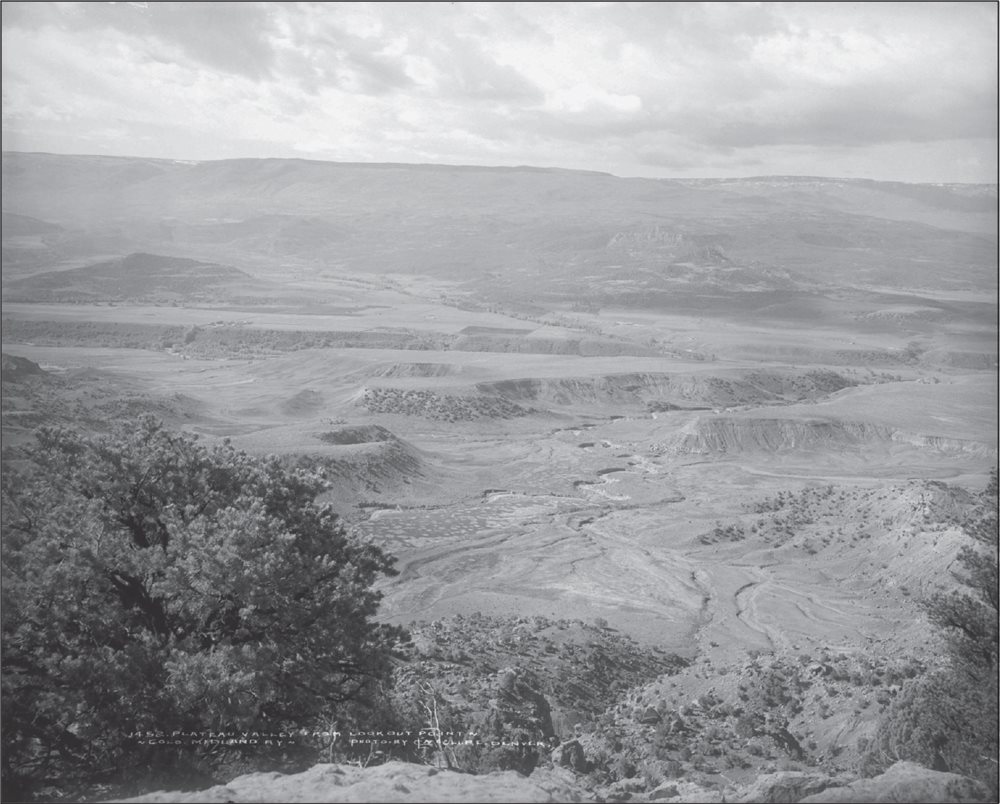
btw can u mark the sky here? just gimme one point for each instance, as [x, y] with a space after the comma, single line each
[892, 91]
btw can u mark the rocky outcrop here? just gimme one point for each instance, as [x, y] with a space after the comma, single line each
[904, 782]
[740, 434]
[571, 755]
[400, 781]
[786, 787]
[361, 434]
[442, 407]
[722, 434]
[673, 391]
[520, 704]
[380, 466]
[393, 781]
[416, 370]
[18, 369]
[517, 726]
[907, 782]
[307, 402]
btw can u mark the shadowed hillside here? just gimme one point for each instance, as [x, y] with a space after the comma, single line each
[138, 277]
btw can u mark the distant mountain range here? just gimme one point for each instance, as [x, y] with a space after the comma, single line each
[505, 233]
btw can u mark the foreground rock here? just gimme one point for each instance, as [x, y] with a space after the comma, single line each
[907, 782]
[786, 787]
[18, 369]
[903, 783]
[400, 781]
[393, 781]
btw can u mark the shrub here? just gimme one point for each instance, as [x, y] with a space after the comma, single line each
[153, 583]
[947, 719]
[943, 720]
[969, 617]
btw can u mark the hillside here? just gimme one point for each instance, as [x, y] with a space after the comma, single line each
[136, 277]
[668, 468]
[491, 226]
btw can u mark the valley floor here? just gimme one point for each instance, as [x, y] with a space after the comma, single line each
[754, 502]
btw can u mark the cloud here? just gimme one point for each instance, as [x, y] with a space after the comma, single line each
[231, 37]
[378, 73]
[465, 71]
[616, 86]
[853, 117]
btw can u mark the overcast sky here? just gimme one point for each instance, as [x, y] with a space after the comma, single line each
[901, 91]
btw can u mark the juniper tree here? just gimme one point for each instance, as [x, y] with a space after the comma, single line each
[151, 582]
[947, 718]
[969, 616]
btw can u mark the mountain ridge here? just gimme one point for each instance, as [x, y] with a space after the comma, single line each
[501, 168]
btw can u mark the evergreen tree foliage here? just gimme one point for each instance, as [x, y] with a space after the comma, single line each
[948, 718]
[969, 617]
[151, 582]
